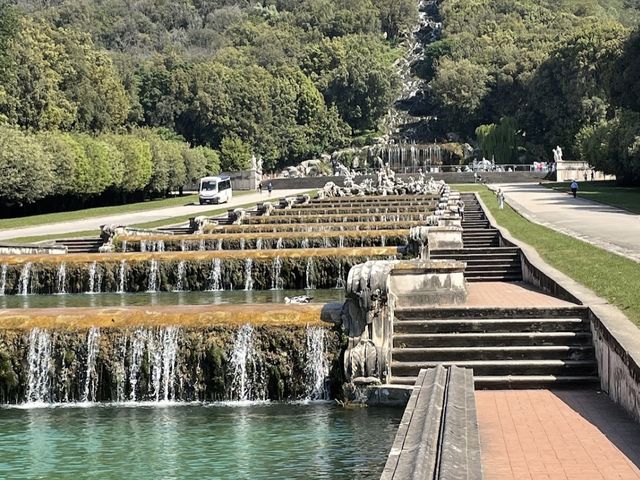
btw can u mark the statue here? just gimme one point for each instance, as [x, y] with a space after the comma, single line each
[254, 163]
[557, 154]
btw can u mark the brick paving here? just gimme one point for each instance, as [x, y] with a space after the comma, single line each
[560, 434]
[509, 294]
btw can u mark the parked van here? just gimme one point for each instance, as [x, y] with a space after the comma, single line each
[215, 190]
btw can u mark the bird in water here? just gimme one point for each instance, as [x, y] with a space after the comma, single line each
[298, 299]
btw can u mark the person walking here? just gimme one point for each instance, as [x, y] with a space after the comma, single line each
[259, 187]
[461, 209]
[585, 176]
[270, 188]
[574, 188]
[500, 199]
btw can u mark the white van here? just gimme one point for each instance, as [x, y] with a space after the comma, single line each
[215, 190]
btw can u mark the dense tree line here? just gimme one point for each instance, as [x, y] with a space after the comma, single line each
[282, 79]
[72, 166]
[529, 75]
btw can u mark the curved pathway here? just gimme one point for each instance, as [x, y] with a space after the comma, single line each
[133, 218]
[608, 227]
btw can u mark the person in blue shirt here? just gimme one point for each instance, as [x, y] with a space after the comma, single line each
[574, 188]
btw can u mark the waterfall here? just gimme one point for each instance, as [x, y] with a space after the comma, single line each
[340, 283]
[24, 280]
[246, 367]
[248, 278]
[143, 245]
[326, 242]
[383, 240]
[3, 279]
[219, 244]
[279, 244]
[215, 277]
[153, 276]
[180, 275]
[202, 246]
[92, 277]
[162, 348]
[160, 246]
[91, 378]
[341, 242]
[276, 277]
[242, 243]
[259, 244]
[124, 246]
[40, 363]
[183, 246]
[308, 274]
[122, 276]
[137, 355]
[317, 366]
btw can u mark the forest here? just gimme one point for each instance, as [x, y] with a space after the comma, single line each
[92, 91]
[109, 101]
[523, 76]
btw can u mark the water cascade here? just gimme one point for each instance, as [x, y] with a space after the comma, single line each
[317, 366]
[124, 246]
[91, 377]
[122, 277]
[242, 243]
[40, 364]
[153, 276]
[163, 346]
[180, 275]
[246, 367]
[248, 274]
[276, 278]
[215, 277]
[24, 280]
[308, 274]
[3, 279]
[219, 247]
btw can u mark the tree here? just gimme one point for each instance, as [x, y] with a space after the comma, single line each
[71, 166]
[105, 167]
[137, 160]
[235, 155]
[27, 173]
[499, 142]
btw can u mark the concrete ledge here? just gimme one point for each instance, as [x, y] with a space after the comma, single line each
[438, 437]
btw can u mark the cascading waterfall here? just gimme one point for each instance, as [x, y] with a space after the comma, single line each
[153, 276]
[3, 279]
[91, 376]
[138, 344]
[183, 246]
[124, 246]
[180, 275]
[308, 274]
[92, 277]
[215, 277]
[122, 276]
[160, 246]
[219, 247]
[317, 366]
[242, 243]
[383, 240]
[202, 246]
[25, 278]
[259, 244]
[276, 266]
[341, 242]
[40, 363]
[245, 362]
[340, 283]
[143, 245]
[248, 274]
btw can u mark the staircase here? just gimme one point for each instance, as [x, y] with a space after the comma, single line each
[480, 238]
[527, 347]
[488, 264]
[81, 245]
[474, 217]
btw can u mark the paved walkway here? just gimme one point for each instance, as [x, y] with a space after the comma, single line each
[509, 295]
[561, 434]
[94, 223]
[608, 227]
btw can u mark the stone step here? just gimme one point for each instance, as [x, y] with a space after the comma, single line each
[516, 381]
[483, 313]
[504, 367]
[479, 252]
[490, 325]
[545, 352]
[494, 278]
[490, 339]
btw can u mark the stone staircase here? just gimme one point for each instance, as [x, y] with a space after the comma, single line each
[489, 264]
[524, 347]
[81, 245]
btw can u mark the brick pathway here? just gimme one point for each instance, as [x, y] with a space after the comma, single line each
[560, 434]
[503, 294]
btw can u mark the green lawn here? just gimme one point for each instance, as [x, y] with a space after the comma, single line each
[605, 192]
[610, 276]
[34, 220]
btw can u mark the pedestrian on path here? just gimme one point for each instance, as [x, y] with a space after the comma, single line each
[574, 188]
[500, 196]
[259, 187]
[461, 209]
[270, 188]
